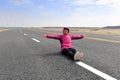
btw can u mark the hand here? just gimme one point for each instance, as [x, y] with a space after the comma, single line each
[84, 36]
[44, 36]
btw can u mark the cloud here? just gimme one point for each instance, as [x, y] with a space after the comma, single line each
[82, 2]
[76, 19]
[51, 0]
[85, 8]
[115, 4]
[16, 20]
[81, 16]
[22, 20]
[21, 2]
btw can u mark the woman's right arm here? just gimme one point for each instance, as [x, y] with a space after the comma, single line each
[53, 36]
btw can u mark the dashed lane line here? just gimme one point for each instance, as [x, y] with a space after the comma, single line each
[35, 40]
[25, 34]
[95, 71]
[32, 38]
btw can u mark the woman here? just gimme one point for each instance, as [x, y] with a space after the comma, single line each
[66, 43]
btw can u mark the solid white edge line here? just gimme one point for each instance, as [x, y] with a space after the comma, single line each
[95, 71]
[35, 40]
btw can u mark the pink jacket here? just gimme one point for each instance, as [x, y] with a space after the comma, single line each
[65, 40]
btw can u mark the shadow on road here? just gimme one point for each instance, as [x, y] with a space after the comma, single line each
[54, 54]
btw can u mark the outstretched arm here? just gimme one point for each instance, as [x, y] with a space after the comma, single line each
[77, 36]
[53, 36]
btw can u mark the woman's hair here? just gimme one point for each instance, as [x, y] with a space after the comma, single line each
[65, 28]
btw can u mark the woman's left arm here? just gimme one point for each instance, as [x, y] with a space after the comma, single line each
[77, 36]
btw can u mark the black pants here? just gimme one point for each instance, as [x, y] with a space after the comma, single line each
[69, 52]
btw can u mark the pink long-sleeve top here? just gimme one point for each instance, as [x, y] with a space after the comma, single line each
[65, 40]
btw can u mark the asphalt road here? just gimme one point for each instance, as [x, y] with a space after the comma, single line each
[26, 55]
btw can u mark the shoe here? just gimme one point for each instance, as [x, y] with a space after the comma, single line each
[78, 55]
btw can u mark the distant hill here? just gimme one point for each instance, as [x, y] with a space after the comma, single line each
[112, 27]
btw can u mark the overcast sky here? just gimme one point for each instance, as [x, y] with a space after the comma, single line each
[40, 13]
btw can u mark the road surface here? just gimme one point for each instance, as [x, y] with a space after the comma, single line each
[26, 55]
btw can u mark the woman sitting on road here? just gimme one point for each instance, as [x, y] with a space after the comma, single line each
[66, 43]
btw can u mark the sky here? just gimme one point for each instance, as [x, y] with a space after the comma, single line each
[53, 13]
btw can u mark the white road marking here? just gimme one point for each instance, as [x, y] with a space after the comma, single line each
[35, 40]
[95, 71]
[25, 34]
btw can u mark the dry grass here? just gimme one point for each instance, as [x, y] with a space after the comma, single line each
[3, 29]
[90, 30]
[101, 31]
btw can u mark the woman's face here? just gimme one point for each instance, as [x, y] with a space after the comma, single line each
[65, 32]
